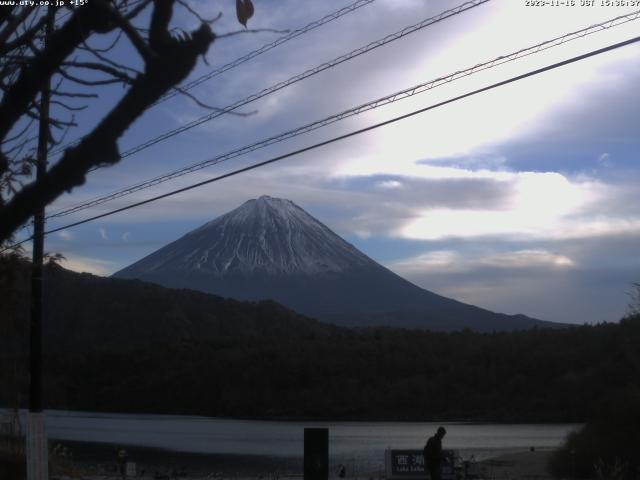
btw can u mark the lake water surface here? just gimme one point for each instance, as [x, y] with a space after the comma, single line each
[361, 443]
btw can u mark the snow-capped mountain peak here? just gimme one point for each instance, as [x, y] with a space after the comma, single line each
[270, 248]
[265, 235]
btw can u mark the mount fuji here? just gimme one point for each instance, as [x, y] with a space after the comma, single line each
[270, 248]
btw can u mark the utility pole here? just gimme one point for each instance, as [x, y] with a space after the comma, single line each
[37, 445]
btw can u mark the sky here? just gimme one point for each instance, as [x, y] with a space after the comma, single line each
[522, 199]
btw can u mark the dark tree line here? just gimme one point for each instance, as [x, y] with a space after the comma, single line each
[529, 376]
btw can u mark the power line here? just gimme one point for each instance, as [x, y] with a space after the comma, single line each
[420, 88]
[238, 61]
[269, 46]
[245, 58]
[308, 73]
[304, 75]
[347, 135]
[297, 78]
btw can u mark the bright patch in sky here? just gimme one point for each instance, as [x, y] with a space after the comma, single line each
[540, 207]
[87, 264]
[450, 260]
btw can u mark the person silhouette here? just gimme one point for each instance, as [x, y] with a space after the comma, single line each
[433, 456]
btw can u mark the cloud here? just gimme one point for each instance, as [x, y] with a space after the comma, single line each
[103, 233]
[541, 205]
[442, 202]
[389, 184]
[65, 235]
[605, 160]
[558, 280]
[125, 236]
[454, 261]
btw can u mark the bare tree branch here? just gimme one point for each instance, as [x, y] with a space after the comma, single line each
[105, 49]
[74, 95]
[5, 14]
[198, 16]
[138, 42]
[69, 107]
[210, 107]
[173, 61]
[12, 24]
[18, 135]
[58, 141]
[104, 58]
[61, 124]
[89, 83]
[139, 8]
[23, 39]
[94, 16]
[114, 72]
[16, 149]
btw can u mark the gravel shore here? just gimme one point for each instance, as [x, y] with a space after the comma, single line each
[100, 460]
[527, 465]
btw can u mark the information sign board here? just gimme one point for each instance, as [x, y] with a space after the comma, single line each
[408, 464]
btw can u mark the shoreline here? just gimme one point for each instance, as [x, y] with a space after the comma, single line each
[102, 459]
[98, 457]
[329, 419]
[521, 465]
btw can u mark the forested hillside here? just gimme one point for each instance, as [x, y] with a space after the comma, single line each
[534, 376]
[89, 312]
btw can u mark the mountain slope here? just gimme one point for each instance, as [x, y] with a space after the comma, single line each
[88, 312]
[130, 313]
[270, 248]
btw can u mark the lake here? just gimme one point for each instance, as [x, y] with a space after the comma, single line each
[358, 443]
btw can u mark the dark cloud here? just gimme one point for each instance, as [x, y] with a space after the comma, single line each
[425, 193]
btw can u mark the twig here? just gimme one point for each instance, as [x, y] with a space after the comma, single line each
[89, 83]
[20, 146]
[138, 42]
[198, 16]
[114, 72]
[74, 95]
[106, 49]
[55, 142]
[69, 107]
[18, 135]
[210, 107]
[114, 64]
[134, 13]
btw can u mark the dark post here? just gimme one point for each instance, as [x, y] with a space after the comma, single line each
[37, 448]
[35, 357]
[316, 453]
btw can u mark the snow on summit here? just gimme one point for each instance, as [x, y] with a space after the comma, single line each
[265, 235]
